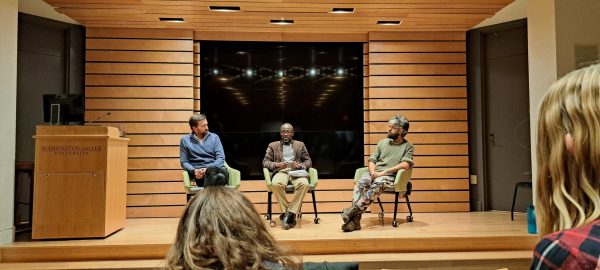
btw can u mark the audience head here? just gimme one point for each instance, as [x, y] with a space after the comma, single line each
[398, 126]
[199, 124]
[568, 152]
[286, 132]
[220, 229]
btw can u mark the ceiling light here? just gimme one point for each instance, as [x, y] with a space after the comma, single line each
[177, 20]
[282, 22]
[224, 8]
[389, 22]
[342, 10]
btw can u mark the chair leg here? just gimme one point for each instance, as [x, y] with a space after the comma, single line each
[410, 217]
[512, 208]
[314, 201]
[269, 213]
[381, 207]
[395, 222]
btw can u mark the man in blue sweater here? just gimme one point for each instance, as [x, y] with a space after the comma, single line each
[201, 154]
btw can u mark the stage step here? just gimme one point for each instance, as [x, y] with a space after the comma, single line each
[427, 260]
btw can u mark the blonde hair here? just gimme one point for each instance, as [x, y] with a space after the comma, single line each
[220, 229]
[568, 184]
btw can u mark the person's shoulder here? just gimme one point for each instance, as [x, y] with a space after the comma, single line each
[384, 141]
[572, 245]
[274, 144]
[186, 137]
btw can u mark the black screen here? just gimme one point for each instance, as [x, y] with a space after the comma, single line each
[248, 89]
[71, 107]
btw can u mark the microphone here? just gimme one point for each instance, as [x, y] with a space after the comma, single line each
[98, 118]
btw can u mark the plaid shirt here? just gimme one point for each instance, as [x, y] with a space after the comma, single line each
[577, 248]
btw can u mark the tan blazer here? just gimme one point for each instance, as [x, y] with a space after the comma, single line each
[275, 154]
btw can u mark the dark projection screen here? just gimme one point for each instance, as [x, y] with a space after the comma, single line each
[248, 89]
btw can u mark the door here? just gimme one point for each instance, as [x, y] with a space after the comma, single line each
[506, 120]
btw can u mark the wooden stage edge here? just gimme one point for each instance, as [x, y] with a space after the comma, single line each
[480, 234]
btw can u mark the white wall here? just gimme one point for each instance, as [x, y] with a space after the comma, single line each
[514, 11]
[541, 38]
[8, 101]
[577, 23]
[43, 9]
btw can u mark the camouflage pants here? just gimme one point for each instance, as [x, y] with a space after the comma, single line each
[366, 190]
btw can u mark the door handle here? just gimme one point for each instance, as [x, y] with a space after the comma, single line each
[492, 138]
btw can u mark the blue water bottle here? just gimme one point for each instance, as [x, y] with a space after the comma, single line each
[531, 226]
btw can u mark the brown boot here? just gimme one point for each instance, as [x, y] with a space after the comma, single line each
[349, 212]
[356, 220]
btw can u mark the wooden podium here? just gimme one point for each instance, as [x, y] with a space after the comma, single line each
[80, 182]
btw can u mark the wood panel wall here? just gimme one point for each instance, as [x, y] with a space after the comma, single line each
[145, 79]
[422, 75]
[149, 79]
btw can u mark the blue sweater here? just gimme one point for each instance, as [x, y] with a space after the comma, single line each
[195, 155]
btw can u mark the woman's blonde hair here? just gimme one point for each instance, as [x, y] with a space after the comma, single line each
[568, 184]
[220, 229]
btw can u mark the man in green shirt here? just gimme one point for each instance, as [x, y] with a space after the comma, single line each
[392, 154]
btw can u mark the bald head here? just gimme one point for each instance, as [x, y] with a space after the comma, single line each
[286, 132]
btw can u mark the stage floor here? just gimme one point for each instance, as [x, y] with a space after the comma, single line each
[150, 238]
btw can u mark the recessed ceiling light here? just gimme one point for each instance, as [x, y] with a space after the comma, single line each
[282, 22]
[342, 10]
[389, 22]
[171, 19]
[224, 8]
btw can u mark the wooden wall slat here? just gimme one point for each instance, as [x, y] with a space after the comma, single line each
[439, 46]
[153, 128]
[139, 116]
[418, 69]
[155, 187]
[409, 36]
[407, 104]
[419, 115]
[139, 56]
[138, 68]
[158, 151]
[138, 80]
[159, 139]
[376, 81]
[138, 33]
[138, 44]
[138, 92]
[416, 58]
[154, 175]
[441, 173]
[138, 104]
[153, 163]
[420, 92]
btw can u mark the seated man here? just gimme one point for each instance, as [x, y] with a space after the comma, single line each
[201, 154]
[391, 155]
[282, 157]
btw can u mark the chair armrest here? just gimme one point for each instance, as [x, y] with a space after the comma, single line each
[314, 177]
[402, 178]
[187, 184]
[359, 172]
[235, 177]
[267, 175]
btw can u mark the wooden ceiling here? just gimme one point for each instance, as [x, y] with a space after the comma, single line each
[310, 16]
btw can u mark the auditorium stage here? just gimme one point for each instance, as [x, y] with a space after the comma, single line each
[471, 236]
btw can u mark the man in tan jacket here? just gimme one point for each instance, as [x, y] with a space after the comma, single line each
[282, 157]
